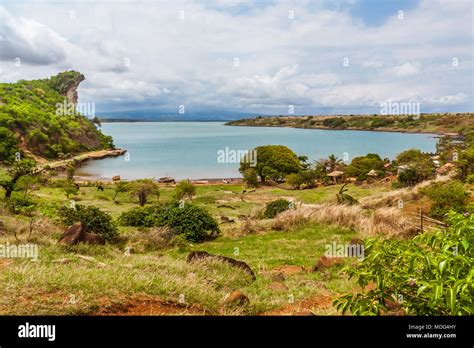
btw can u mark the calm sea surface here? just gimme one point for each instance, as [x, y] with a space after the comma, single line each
[190, 149]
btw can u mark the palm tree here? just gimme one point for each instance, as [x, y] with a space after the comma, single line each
[331, 163]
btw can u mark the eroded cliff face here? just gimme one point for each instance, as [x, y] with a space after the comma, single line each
[66, 84]
[71, 93]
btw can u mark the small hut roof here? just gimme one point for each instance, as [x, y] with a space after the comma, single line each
[336, 173]
[372, 173]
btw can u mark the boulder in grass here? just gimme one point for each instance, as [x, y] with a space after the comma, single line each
[76, 233]
[326, 262]
[92, 238]
[200, 255]
[236, 298]
[73, 235]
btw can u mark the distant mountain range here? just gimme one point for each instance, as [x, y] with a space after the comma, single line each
[160, 116]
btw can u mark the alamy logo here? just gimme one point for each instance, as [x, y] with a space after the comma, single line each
[344, 250]
[237, 156]
[37, 331]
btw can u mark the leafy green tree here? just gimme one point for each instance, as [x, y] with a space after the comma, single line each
[250, 177]
[446, 196]
[185, 189]
[304, 178]
[274, 162]
[418, 167]
[332, 163]
[362, 165]
[18, 170]
[431, 274]
[70, 170]
[143, 188]
[120, 187]
[70, 188]
[8, 145]
[26, 183]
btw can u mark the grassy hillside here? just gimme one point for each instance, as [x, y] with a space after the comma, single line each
[427, 123]
[31, 121]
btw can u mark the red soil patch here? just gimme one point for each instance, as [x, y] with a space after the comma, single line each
[5, 263]
[148, 305]
[287, 269]
[303, 307]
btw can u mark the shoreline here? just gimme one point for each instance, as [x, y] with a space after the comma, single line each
[82, 158]
[199, 182]
[435, 134]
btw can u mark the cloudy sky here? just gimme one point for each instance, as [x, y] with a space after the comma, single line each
[329, 56]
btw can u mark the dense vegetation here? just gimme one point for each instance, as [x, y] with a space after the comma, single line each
[431, 274]
[32, 120]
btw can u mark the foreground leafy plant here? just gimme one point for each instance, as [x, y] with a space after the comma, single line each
[431, 274]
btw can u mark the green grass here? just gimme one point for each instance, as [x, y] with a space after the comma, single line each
[46, 287]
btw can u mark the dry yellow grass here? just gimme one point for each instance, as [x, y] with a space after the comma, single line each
[386, 222]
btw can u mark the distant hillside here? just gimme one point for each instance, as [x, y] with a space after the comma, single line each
[38, 119]
[426, 123]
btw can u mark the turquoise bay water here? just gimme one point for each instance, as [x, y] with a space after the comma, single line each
[190, 149]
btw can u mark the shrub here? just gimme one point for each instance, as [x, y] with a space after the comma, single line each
[428, 275]
[142, 188]
[17, 204]
[273, 208]
[446, 196]
[304, 178]
[250, 177]
[93, 219]
[185, 189]
[139, 217]
[362, 165]
[192, 222]
[419, 167]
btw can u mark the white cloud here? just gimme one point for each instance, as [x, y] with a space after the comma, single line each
[282, 61]
[406, 69]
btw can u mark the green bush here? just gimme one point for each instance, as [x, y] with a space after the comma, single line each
[139, 217]
[250, 177]
[16, 204]
[362, 165]
[191, 222]
[418, 167]
[431, 274]
[276, 207]
[446, 196]
[94, 220]
[185, 189]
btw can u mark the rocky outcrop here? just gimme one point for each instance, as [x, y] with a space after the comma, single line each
[76, 233]
[66, 84]
[200, 255]
[236, 298]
